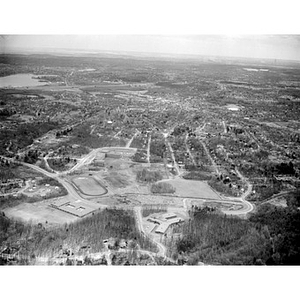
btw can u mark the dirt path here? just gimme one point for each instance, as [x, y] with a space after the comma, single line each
[130, 141]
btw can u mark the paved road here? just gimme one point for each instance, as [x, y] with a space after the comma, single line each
[148, 148]
[173, 158]
[83, 161]
[188, 149]
[70, 189]
[248, 207]
[224, 125]
[210, 158]
[162, 249]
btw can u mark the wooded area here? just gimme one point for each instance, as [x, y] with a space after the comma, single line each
[36, 240]
[271, 236]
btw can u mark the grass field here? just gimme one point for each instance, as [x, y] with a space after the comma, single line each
[193, 188]
[89, 186]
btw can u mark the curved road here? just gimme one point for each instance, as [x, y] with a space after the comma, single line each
[162, 249]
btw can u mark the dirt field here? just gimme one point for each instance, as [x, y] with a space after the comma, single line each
[118, 179]
[39, 212]
[89, 186]
[193, 188]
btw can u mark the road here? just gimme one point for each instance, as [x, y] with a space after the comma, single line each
[148, 148]
[130, 141]
[166, 134]
[280, 194]
[173, 158]
[248, 206]
[210, 158]
[69, 187]
[224, 125]
[188, 149]
[83, 161]
[138, 212]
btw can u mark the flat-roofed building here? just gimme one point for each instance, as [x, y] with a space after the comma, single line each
[169, 216]
[78, 208]
[175, 221]
[154, 220]
[162, 228]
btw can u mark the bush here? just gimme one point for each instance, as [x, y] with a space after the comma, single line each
[148, 176]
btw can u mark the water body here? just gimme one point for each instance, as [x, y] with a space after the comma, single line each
[20, 80]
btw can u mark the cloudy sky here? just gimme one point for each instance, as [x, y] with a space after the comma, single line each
[255, 46]
[248, 28]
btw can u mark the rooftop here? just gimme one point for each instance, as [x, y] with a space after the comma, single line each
[79, 208]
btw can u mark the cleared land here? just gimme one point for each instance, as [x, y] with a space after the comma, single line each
[193, 188]
[39, 212]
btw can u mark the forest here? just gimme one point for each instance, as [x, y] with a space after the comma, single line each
[271, 236]
[35, 240]
[23, 135]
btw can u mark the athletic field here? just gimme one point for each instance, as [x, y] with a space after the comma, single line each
[89, 186]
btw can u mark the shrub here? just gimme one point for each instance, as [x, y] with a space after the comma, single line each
[148, 176]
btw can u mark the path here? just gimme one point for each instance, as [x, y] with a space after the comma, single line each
[130, 141]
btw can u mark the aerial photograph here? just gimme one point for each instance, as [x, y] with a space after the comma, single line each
[120, 151]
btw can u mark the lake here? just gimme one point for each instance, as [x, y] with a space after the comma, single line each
[20, 80]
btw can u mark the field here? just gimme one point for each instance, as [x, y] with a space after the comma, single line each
[89, 186]
[192, 188]
[39, 212]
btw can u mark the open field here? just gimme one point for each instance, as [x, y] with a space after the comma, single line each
[39, 212]
[193, 188]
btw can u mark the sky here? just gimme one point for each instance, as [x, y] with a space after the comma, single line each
[248, 28]
[232, 45]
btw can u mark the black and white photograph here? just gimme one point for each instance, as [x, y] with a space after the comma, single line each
[149, 149]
